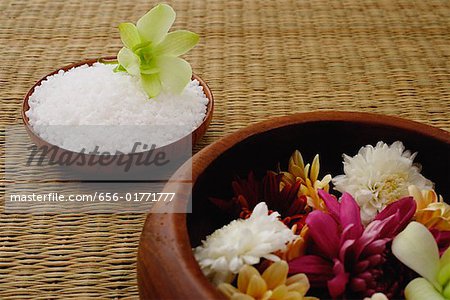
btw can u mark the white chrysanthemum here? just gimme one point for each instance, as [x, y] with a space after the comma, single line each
[242, 242]
[379, 175]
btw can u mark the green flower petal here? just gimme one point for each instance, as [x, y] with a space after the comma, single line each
[445, 258]
[130, 61]
[148, 66]
[150, 53]
[177, 43]
[446, 292]
[444, 275]
[420, 289]
[149, 70]
[155, 24]
[119, 68]
[129, 35]
[175, 73]
[417, 249]
[151, 84]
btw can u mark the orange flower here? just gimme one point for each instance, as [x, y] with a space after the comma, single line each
[308, 176]
[296, 247]
[432, 211]
[272, 284]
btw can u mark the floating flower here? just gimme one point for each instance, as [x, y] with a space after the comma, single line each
[347, 258]
[432, 211]
[379, 175]
[417, 249]
[283, 199]
[272, 284]
[242, 242]
[296, 247]
[442, 239]
[151, 53]
[308, 176]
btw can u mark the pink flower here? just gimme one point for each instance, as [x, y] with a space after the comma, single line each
[442, 239]
[344, 256]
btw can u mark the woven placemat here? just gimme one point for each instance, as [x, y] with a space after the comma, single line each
[260, 58]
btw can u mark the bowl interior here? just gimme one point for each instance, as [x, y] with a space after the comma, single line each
[330, 139]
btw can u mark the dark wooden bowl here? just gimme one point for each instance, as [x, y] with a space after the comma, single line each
[196, 135]
[166, 267]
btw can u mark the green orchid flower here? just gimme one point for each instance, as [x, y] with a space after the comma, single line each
[416, 248]
[151, 53]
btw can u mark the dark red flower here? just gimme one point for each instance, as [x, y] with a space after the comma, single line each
[283, 199]
[345, 257]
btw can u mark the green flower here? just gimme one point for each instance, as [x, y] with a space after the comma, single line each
[151, 53]
[416, 248]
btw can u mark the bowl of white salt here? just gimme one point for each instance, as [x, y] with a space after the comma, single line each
[86, 108]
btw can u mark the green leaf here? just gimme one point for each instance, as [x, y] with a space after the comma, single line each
[420, 289]
[151, 84]
[129, 35]
[130, 61]
[416, 248]
[177, 43]
[155, 24]
[175, 73]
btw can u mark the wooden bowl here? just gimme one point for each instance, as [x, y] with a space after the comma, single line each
[196, 135]
[166, 267]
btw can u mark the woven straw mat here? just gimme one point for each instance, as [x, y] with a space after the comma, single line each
[260, 58]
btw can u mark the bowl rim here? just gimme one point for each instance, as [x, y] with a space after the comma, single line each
[179, 242]
[196, 134]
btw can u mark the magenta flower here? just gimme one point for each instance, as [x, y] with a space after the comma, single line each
[442, 239]
[347, 258]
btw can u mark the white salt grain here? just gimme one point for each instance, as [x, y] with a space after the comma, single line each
[118, 107]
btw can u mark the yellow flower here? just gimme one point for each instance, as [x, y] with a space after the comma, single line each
[431, 211]
[272, 284]
[296, 247]
[308, 175]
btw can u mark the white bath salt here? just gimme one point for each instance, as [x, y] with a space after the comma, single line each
[91, 106]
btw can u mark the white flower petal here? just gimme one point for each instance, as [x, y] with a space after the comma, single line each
[379, 175]
[377, 296]
[242, 242]
[260, 210]
[416, 248]
[420, 289]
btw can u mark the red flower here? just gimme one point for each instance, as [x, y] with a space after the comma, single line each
[344, 256]
[283, 199]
